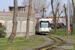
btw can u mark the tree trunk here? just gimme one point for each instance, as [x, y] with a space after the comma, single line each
[54, 15]
[28, 19]
[58, 16]
[11, 37]
[55, 24]
[72, 30]
[66, 20]
[43, 12]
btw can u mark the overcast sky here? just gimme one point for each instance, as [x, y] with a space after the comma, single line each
[4, 4]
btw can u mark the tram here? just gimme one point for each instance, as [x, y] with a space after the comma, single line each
[43, 26]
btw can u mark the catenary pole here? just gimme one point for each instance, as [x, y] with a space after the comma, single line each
[68, 18]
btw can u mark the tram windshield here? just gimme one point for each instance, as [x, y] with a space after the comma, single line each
[44, 24]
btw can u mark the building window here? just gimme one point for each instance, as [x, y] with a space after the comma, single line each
[13, 9]
[23, 9]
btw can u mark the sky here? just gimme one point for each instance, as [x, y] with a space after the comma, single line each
[5, 3]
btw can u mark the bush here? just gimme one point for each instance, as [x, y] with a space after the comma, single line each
[2, 31]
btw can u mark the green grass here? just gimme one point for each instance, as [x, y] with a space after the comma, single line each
[19, 43]
[61, 32]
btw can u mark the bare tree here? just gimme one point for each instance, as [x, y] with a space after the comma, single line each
[39, 5]
[54, 14]
[66, 19]
[43, 13]
[72, 30]
[59, 15]
[11, 37]
[28, 19]
[71, 13]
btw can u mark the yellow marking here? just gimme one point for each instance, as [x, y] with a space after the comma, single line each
[45, 30]
[43, 49]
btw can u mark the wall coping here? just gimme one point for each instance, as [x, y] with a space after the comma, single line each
[18, 12]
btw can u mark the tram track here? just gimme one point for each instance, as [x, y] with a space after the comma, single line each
[57, 42]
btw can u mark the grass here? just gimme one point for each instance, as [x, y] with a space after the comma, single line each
[19, 43]
[61, 32]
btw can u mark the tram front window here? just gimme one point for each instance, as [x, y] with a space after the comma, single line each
[44, 25]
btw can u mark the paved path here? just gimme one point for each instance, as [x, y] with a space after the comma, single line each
[48, 41]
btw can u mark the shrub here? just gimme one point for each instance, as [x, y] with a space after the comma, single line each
[2, 31]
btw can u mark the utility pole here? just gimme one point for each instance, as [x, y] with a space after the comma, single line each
[69, 19]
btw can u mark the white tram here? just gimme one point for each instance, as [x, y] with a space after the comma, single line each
[43, 26]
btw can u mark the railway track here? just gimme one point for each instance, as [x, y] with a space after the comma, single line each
[57, 42]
